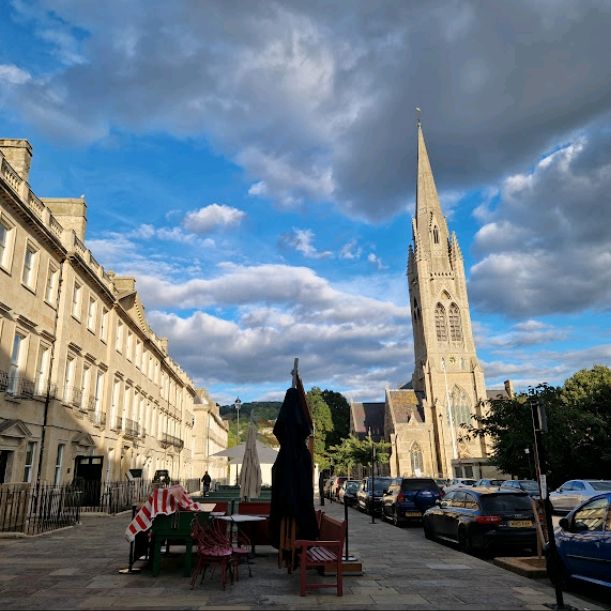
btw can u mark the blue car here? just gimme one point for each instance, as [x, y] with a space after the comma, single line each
[407, 498]
[584, 544]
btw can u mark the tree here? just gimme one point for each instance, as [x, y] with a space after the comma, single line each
[353, 451]
[578, 441]
[323, 425]
[340, 412]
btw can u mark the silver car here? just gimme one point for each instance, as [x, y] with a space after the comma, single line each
[576, 491]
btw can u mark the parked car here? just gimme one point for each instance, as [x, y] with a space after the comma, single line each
[326, 490]
[576, 491]
[162, 477]
[337, 484]
[529, 486]
[441, 482]
[458, 482]
[365, 500]
[408, 498]
[583, 540]
[493, 484]
[347, 492]
[478, 519]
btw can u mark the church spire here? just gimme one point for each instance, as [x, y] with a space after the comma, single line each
[427, 201]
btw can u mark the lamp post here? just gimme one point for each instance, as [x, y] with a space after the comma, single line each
[238, 404]
[373, 479]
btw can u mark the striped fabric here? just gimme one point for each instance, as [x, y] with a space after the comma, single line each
[162, 501]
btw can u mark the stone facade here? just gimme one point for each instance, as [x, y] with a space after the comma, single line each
[423, 420]
[86, 387]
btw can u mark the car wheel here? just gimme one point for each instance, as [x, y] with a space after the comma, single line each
[464, 541]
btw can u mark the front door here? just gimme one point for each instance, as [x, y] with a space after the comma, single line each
[88, 478]
[4, 456]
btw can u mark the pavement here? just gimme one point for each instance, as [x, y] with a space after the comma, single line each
[78, 568]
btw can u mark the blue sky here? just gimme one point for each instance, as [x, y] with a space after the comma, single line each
[253, 166]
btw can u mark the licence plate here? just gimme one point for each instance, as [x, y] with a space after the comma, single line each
[412, 514]
[520, 523]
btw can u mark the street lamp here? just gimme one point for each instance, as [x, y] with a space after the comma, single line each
[238, 404]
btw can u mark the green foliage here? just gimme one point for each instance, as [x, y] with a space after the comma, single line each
[264, 410]
[340, 412]
[578, 441]
[323, 425]
[353, 451]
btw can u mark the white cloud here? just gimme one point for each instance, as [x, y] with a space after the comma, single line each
[375, 260]
[350, 251]
[13, 75]
[212, 216]
[301, 240]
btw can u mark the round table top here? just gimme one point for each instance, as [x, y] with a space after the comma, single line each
[241, 517]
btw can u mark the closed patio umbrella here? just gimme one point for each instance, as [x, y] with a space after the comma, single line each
[250, 475]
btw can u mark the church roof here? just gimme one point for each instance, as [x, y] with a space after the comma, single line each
[405, 405]
[496, 393]
[367, 416]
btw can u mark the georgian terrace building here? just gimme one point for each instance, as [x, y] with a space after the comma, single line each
[87, 390]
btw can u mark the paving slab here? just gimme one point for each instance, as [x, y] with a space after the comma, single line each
[77, 568]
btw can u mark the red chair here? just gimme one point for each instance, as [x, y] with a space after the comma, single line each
[241, 550]
[213, 548]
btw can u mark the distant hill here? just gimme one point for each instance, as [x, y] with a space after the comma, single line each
[264, 410]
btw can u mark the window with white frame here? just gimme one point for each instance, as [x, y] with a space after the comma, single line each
[76, 300]
[91, 312]
[51, 286]
[29, 461]
[104, 325]
[115, 407]
[28, 276]
[57, 479]
[119, 337]
[99, 394]
[138, 354]
[85, 387]
[130, 345]
[6, 243]
[17, 361]
[69, 379]
[42, 370]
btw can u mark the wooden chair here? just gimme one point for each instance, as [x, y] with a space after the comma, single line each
[213, 548]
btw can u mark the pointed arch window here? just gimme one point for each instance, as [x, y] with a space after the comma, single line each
[440, 323]
[461, 407]
[436, 234]
[455, 327]
[416, 460]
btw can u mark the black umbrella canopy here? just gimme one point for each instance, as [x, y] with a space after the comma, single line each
[292, 489]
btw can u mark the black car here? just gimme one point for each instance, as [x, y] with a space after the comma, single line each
[364, 497]
[347, 492]
[408, 498]
[478, 519]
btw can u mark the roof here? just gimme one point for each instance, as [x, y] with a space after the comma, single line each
[266, 454]
[496, 393]
[405, 405]
[366, 416]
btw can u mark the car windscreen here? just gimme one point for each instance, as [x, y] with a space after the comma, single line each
[418, 484]
[380, 485]
[505, 502]
[351, 486]
[531, 487]
[602, 485]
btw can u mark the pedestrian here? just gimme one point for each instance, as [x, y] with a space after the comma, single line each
[207, 480]
[321, 485]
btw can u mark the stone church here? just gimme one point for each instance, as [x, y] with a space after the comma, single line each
[422, 420]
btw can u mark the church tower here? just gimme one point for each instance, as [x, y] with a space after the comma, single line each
[447, 374]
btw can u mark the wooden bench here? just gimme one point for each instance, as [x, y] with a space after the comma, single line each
[324, 552]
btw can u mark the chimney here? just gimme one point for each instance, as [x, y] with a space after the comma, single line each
[163, 342]
[509, 388]
[19, 154]
[71, 212]
[124, 284]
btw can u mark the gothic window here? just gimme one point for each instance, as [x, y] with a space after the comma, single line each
[455, 329]
[460, 407]
[440, 323]
[416, 460]
[436, 235]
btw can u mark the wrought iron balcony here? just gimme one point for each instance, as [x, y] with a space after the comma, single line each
[16, 386]
[131, 428]
[169, 440]
[98, 418]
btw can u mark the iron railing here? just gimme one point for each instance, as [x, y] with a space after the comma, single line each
[170, 440]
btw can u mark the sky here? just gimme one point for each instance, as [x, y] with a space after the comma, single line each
[253, 165]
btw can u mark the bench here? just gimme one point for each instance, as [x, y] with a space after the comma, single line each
[324, 552]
